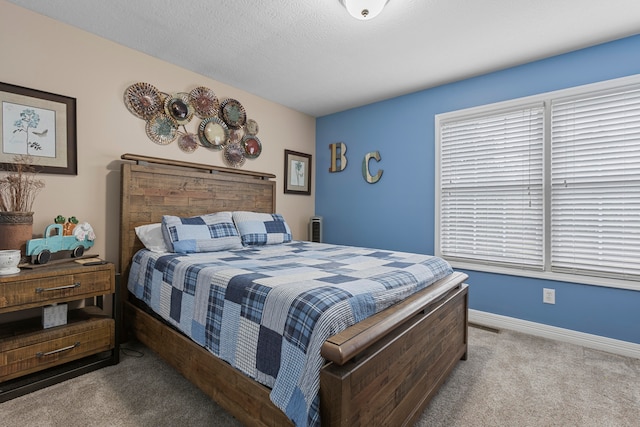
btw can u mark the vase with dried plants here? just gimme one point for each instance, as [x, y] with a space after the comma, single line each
[19, 186]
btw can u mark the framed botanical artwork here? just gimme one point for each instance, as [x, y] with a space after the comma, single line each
[297, 172]
[38, 124]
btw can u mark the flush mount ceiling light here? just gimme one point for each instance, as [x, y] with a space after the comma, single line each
[364, 9]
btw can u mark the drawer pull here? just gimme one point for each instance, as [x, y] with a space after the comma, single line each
[49, 353]
[75, 285]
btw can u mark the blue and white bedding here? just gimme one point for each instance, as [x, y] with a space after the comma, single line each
[267, 310]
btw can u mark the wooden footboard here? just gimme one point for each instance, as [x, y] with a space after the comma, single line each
[392, 381]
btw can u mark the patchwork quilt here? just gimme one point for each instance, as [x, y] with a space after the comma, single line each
[267, 310]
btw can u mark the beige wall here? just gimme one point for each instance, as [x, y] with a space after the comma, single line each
[43, 54]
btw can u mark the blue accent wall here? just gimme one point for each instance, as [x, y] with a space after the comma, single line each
[398, 211]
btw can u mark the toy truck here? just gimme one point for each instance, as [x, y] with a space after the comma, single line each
[40, 250]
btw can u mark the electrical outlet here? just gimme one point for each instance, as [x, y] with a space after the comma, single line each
[548, 296]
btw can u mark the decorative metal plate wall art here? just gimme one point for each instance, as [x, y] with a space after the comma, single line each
[179, 107]
[234, 155]
[204, 101]
[188, 142]
[213, 133]
[235, 135]
[251, 126]
[162, 129]
[223, 126]
[252, 146]
[233, 113]
[143, 100]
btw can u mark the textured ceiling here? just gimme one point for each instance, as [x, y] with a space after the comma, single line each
[311, 56]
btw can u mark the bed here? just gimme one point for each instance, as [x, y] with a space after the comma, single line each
[381, 370]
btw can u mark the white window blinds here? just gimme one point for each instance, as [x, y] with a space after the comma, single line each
[491, 187]
[595, 184]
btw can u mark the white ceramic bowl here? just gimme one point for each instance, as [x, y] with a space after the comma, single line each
[9, 260]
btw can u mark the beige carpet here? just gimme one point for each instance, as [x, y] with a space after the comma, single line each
[510, 379]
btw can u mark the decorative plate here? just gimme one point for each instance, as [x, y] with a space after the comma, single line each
[188, 142]
[251, 127]
[235, 135]
[233, 113]
[204, 101]
[143, 100]
[179, 107]
[234, 155]
[162, 129]
[251, 146]
[213, 133]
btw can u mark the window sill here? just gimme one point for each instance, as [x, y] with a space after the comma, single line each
[546, 275]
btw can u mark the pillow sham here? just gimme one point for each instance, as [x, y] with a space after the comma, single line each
[261, 228]
[203, 233]
[151, 237]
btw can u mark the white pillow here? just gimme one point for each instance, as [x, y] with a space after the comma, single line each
[151, 237]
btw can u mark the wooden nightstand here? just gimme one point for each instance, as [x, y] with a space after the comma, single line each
[32, 357]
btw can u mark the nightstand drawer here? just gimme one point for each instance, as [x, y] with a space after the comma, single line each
[39, 350]
[61, 288]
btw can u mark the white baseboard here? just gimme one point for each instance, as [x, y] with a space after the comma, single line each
[496, 321]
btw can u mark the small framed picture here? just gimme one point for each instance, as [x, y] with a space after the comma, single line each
[38, 124]
[297, 172]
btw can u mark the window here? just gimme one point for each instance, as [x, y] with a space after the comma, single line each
[549, 184]
[491, 188]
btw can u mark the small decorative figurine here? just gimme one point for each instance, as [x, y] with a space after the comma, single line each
[40, 250]
[69, 226]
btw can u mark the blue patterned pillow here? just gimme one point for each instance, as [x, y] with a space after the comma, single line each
[261, 228]
[204, 233]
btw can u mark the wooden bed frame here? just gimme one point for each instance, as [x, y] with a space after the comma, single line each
[382, 371]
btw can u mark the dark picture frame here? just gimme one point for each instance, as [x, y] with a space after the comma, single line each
[40, 124]
[297, 172]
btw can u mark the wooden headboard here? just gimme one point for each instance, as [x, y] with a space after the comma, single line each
[152, 187]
